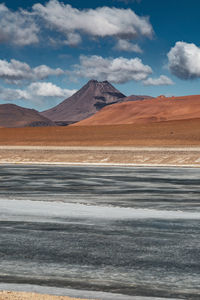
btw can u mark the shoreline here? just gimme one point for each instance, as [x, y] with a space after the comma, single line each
[101, 156]
[15, 295]
[35, 292]
[122, 165]
[108, 148]
[10, 295]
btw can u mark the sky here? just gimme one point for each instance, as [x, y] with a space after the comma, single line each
[50, 49]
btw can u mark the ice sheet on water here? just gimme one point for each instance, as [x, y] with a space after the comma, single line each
[43, 211]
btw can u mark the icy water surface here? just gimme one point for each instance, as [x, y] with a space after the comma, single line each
[129, 231]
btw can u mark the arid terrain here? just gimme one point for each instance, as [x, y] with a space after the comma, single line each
[104, 144]
[5, 295]
[147, 111]
[171, 133]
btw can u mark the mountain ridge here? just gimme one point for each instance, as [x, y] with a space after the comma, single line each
[12, 115]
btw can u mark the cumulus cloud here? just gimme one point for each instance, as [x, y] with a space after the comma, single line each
[7, 94]
[43, 71]
[16, 71]
[35, 92]
[116, 70]
[184, 60]
[162, 80]
[124, 45]
[48, 89]
[17, 27]
[24, 27]
[99, 22]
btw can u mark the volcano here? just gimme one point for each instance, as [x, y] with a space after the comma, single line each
[86, 102]
[12, 115]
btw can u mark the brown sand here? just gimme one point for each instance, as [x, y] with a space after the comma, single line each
[5, 295]
[163, 135]
[171, 133]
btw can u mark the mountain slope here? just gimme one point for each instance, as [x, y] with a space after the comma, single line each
[87, 101]
[146, 111]
[136, 98]
[12, 115]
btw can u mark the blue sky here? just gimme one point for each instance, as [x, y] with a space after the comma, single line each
[49, 49]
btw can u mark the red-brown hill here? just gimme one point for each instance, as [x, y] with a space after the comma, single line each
[12, 115]
[146, 111]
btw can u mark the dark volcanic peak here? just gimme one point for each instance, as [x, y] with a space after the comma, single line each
[12, 115]
[87, 101]
[92, 81]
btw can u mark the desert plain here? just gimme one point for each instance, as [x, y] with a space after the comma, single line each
[160, 143]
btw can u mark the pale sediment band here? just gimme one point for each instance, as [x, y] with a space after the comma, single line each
[6, 295]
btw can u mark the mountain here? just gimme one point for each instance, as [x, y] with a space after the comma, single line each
[86, 102]
[12, 115]
[147, 111]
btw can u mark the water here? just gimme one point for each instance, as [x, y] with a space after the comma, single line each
[118, 231]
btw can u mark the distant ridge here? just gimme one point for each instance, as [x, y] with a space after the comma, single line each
[91, 98]
[12, 115]
[136, 98]
[86, 102]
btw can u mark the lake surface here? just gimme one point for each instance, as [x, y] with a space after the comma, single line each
[117, 231]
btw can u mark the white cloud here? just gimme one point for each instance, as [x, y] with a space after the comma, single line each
[43, 71]
[35, 92]
[124, 45]
[17, 27]
[116, 70]
[184, 60]
[25, 27]
[7, 94]
[48, 89]
[16, 71]
[162, 80]
[99, 22]
[73, 39]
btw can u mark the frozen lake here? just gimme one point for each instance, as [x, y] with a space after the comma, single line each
[130, 231]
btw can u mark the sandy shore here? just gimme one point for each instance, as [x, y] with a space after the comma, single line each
[145, 156]
[6, 295]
